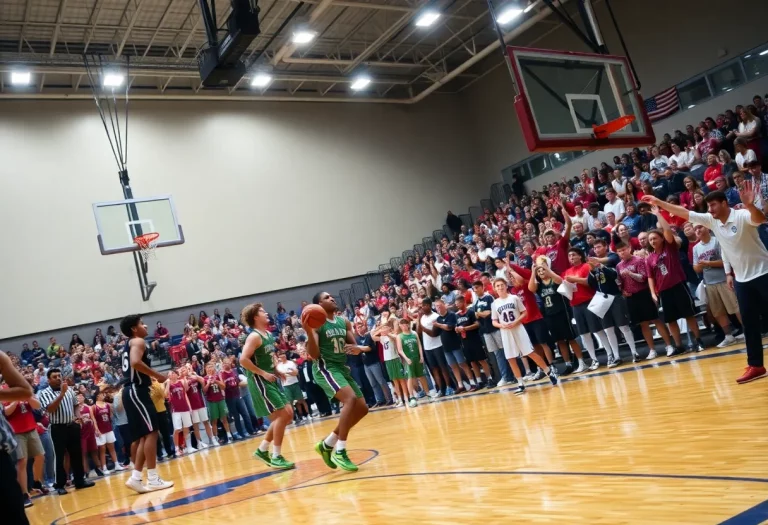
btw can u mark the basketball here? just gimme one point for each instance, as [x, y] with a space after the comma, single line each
[313, 316]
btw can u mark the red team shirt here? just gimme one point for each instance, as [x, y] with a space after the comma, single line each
[583, 293]
[665, 267]
[22, 420]
[178, 398]
[558, 254]
[214, 393]
[231, 384]
[103, 417]
[195, 394]
[525, 295]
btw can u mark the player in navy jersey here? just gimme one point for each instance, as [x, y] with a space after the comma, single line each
[142, 416]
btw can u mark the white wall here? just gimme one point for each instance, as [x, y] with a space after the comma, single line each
[669, 42]
[270, 196]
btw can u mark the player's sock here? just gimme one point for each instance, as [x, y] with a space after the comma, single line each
[589, 344]
[341, 445]
[613, 342]
[136, 474]
[151, 474]
[472, 382]
[276, 451]
[188, 441]
[627, 331]
[264, 446]
[331, 440]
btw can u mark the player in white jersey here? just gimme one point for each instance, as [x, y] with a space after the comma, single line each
[507, 314]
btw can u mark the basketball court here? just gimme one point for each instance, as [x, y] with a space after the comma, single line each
[665, 442]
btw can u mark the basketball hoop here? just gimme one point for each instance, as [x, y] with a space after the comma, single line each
[147, 244]
[604, 131]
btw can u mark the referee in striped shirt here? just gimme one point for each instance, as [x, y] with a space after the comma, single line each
[61, 405]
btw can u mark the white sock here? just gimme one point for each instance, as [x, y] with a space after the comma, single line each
[589, 344]
[331, 440]
[264, 446]
[581, 362]
[275, 451]
[341, 445]
[613, 342]
[472, 382]
[600, 342]
[526, 366]
[136, 474]
[151, 474]
[629, 337]
[229, 435]
[188, 441]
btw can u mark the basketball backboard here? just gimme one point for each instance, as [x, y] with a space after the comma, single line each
[119, 222]
[563, 94]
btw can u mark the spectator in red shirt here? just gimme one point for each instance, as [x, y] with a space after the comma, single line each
[708, 144]
[691, 187]
[713, 171]
[22, 420]
[557, 248]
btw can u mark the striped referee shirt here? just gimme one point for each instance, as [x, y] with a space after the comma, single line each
[66, 411]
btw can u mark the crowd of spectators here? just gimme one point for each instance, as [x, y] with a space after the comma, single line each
[599, 210]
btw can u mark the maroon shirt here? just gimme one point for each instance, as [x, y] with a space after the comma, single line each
[177, 398]
[231, 384]
[195, 394]
[665, 267]
[214, 393]
[103, 417]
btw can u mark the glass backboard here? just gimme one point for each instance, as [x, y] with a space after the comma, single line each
[119, 222]
[562, 94]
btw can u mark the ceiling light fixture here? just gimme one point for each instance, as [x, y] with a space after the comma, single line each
[113, 80]
[427, 18]
[692, 106]
[529, 6]
[746, 57]
[764, 52]
[303, 36]
[21, 78]
[261, 80]
[508, 14]
[360, 83]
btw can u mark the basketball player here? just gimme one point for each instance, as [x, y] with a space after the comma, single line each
[385, 334]
[409, 346]
[508, 314]
[328, 347]
[176, 393]
[142, 417]
[198, 412]
[258, 360]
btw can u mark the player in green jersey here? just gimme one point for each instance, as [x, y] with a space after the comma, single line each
[409, 348]
[258, 360]
[328, 347]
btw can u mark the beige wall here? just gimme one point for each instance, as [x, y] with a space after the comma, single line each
[669, 41]
[270, 196]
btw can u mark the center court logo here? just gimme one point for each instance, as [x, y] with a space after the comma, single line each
[162, 505]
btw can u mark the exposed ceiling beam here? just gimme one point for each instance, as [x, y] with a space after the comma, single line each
[57, 28]
[287, 49]
[128, 30]
[27, 6]
[345, 63]
[159, 27]
[93, 20]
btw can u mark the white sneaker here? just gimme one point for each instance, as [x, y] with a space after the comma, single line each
[582, 368]
[652, 354]
[201, 445]
[539, 374]
[398, 404]
[739, 337]
[595, 365]
[137, 485]
[190, 450]
[158, 484]
[670, 350]
[528, 377]
[502, 382]
[215, 442]
[119, 467]
[728, 341]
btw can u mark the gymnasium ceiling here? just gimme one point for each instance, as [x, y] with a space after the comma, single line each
[162, 39]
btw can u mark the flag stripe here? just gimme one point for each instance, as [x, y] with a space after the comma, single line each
[662, 105]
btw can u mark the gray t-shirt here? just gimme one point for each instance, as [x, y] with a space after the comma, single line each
[709, 252]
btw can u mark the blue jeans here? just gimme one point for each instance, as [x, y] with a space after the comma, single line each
[378, 383]
[49, 469]
[237, 409]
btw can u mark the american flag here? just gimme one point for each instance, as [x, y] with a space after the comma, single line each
[662, 105]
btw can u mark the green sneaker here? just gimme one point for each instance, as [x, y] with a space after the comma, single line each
[264, 456]
[281, 463]
[341, 459]
[325, 453]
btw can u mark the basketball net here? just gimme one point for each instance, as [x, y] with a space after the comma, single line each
[147, 245]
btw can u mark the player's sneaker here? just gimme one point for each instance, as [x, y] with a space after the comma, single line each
[280, 462]
[529, 377]
[636, 358]
[751, 373]
[189, 450]
[553, 376]
[651, 355]
[519, 390]
[538, 375]
[567, 371]
[398, 404]
[201, 445]
[698, 345]
[325, 453]
[412, 402]
[502, 382]
[613, 363]
[341, 460]
[595, 365]
[582, 368]
[137, 485]
[449, 391]
[263, 455]
[158, 484]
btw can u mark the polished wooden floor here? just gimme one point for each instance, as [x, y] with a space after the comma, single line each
[668, 442]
